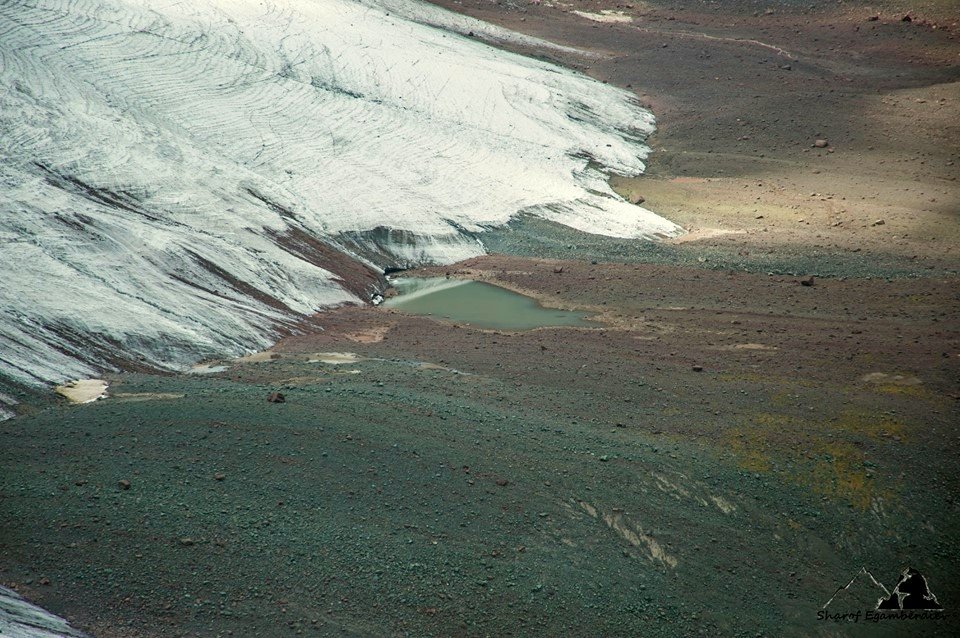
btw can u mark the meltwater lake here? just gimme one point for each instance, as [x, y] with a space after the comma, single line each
[478, 304]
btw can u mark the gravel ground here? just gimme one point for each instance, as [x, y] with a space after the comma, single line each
[704, 452]
[725, 452]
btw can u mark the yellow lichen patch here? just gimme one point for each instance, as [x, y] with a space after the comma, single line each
[780, 398]
[832, 463]
[770, 420]
[916, 300]
[868, 425]
[746, 444]
[839, 472]
[916, 391]
[764, 380]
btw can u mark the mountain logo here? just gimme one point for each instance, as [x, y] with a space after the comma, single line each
[911, 592]
[865, 596]
[861, 588]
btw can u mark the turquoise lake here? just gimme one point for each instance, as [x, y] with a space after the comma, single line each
[478, 304]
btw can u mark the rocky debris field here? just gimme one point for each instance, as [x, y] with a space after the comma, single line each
[725, 441]
[768, 406]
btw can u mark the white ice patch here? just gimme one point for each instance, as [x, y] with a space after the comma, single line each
[414, 288]
[151, 154]
[425, 13]
[205, 368]
[7, 404]
[607, 16]
[20, 619]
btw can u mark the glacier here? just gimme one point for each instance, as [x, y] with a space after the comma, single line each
[185, 180]
[22, 619]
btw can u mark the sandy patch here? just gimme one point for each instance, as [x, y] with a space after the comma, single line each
[335, 358]
[370, 335]
[134, 397]
[84, 390]
[746, 346]
[689, 180]
[258, 357]
[723, 504]
[703, 233]
[631, 533]
[882, 378]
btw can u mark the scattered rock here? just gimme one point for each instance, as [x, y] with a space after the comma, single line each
[873, 18]
[187, 542]
[219, 477]
[821, 144]
[906, 18]
[604, 458]
[637, 199]
[807, 282]
[558, 270]
[277, 397]
[503, 482]
[879, 222]
[123, 484]
[697, 368]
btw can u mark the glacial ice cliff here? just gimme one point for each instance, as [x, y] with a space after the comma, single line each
[179, 179]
